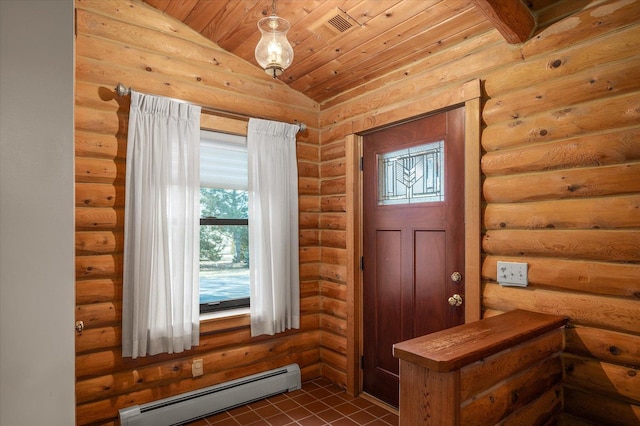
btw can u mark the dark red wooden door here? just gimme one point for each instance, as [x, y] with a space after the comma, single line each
[413, 219]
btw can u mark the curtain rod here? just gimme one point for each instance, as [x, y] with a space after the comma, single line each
[122, 90]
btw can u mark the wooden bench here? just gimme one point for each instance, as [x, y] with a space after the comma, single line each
[483, 372]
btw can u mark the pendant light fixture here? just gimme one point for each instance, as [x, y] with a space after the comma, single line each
[274, 52]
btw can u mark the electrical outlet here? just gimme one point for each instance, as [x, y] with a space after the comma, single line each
[197, 367]
[512, 274]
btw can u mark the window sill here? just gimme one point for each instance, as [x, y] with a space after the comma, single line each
[223, 314]
[224, 320]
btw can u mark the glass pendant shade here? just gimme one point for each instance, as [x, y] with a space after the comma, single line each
[274, 52]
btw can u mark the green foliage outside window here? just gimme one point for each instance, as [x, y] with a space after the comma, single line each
[224, 204]
[211, 244]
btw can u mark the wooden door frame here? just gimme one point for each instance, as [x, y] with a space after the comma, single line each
[469, 95]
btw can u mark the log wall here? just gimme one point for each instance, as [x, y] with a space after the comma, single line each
[561, 186]
[129, 42]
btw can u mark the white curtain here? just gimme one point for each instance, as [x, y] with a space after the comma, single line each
[161, 241]
[273, 227]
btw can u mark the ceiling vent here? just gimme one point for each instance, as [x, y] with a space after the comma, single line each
[333, 24]
[340, 23]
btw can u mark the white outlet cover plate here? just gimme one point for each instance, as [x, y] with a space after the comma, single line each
[197, 368]
[512, 274]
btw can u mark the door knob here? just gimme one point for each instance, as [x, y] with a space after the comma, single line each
[455, 300]
[456, 277]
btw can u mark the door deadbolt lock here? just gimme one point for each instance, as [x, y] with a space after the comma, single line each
[456, 277]
[455, 300]
[79, 326]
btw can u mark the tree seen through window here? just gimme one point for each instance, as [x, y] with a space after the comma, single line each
[224, 248]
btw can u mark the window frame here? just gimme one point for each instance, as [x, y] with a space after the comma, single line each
[224, 305]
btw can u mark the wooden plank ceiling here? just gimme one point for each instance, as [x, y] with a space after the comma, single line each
[376, 36]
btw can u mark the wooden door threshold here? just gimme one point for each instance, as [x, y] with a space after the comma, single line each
[379, 403]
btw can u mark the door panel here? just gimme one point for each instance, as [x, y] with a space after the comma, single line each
[413, 232]
[388, 317]
[430, 272]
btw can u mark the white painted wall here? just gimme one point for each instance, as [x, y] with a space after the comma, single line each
[36, 213]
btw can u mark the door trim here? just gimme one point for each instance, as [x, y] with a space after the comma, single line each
[469, 95]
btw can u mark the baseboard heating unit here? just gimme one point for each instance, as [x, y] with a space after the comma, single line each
[204, 402]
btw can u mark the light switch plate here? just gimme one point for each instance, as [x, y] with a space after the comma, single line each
[512, 274]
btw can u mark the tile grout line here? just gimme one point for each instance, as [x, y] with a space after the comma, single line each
[309, 388]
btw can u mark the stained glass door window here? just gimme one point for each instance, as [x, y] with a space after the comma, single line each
[412, 175]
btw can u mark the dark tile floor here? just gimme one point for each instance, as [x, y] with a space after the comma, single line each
[318, 403]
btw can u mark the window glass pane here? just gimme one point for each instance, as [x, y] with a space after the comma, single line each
[224, 263]
[412, 175]
[224, 245]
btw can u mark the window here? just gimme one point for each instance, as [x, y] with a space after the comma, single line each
[413, 175]
[224, 236]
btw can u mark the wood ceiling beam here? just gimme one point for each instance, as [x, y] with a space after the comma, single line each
[512, 19]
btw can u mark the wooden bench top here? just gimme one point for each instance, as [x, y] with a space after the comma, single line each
[451, 349]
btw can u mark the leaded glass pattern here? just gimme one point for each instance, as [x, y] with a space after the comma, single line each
[412, 175]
